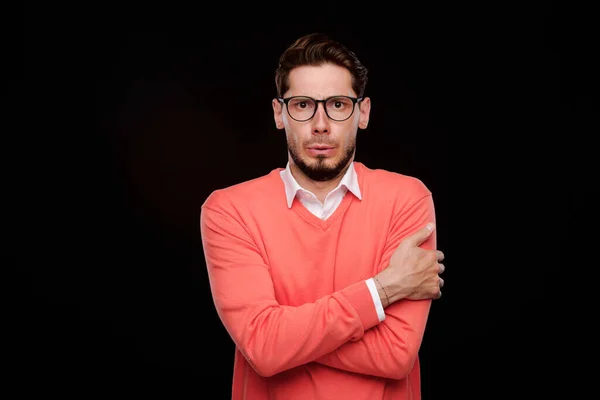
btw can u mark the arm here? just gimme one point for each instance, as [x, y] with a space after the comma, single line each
[272, 337]
[390, 349]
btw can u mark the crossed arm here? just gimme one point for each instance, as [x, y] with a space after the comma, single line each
[340, 330]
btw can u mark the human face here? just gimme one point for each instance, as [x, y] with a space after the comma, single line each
[321, 148]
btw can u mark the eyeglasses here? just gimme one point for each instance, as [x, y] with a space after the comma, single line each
[337, 108]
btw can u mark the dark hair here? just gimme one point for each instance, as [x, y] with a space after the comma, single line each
[318, 49]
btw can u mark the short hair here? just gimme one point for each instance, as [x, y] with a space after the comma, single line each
[318, 49]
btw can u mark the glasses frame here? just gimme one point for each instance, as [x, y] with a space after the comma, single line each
[354, 100]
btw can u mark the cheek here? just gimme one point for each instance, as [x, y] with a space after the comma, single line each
[295, 132]
[290, 128]
[292, 137]
[348, 142]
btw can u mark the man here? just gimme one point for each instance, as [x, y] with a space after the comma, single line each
[323, 272]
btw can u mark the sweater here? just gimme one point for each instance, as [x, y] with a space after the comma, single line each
[290, 288]
[348, 183]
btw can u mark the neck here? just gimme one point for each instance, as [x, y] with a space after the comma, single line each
[320, 189]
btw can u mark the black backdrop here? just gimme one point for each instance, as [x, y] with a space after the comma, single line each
[139, 113]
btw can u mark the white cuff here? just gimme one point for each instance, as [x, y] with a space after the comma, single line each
[375, 295]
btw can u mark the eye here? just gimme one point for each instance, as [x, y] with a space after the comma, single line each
[339, 103]
[301, 103]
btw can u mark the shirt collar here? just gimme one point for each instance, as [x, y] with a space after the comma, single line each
[349, 181]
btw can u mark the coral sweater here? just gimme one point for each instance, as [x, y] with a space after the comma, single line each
[290, 289]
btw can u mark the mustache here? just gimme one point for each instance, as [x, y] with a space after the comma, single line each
[320, 143]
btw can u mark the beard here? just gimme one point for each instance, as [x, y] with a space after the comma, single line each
[321, 171]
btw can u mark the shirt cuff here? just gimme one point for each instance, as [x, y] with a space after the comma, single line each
[376, 300]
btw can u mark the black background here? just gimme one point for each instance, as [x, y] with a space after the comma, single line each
[135, 114]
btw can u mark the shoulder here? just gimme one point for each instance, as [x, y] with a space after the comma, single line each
[252, 191]
[384, 183]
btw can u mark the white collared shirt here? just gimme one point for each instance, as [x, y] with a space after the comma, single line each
[324, 210]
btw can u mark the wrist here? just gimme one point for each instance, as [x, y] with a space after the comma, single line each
[383, 296]
[390, 291]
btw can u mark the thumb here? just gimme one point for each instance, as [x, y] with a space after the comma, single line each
[419, 236]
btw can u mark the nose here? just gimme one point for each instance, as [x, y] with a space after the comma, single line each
[320, 121]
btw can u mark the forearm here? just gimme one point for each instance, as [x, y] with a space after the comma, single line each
[274, 337]
[389, 349]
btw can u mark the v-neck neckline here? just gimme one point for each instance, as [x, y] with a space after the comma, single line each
[324, 224]
[348, 198]
[312, 219]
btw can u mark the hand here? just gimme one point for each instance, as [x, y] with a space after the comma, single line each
[413, 272]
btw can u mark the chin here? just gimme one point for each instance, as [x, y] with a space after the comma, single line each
[321, 167]
[323, 160]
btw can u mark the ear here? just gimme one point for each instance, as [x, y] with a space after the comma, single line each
[278, 113]
[364, 108]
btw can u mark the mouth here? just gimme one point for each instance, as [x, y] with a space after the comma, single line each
[321, 150]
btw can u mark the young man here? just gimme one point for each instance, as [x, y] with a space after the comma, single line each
[323, 272]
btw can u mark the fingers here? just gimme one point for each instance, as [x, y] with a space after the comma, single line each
[419, 237]
[442, 268]
[441, 284]
[440, 255]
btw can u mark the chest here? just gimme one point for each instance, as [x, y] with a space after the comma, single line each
[308, 261]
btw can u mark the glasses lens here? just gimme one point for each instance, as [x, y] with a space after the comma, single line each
[339, 108]
[301, 108]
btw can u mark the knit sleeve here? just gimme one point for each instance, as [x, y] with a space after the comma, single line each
[390, 349]
[272, 337]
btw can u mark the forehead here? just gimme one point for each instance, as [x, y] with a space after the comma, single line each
[320, 81]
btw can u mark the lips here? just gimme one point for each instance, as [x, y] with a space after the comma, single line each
[321, 150]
